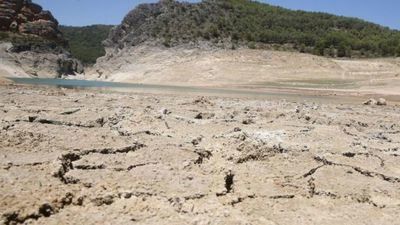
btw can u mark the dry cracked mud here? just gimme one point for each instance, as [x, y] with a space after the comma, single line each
[87, 157]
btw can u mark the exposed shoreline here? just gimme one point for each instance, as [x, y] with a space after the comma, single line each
[4, 81]
[320, 94]
[90, 157]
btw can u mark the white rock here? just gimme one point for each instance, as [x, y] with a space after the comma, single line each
[381, 102]
[370, 102]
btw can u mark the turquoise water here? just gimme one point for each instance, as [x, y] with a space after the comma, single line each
[170, 89]
[84, 83]
[103, 85]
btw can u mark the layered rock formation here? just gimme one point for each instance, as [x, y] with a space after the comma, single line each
[25, 17]
[31, 43]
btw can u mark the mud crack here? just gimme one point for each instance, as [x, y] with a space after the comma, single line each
[351, 155]
[229, 182]
[66, 160]
[97, 123]
[355, 168]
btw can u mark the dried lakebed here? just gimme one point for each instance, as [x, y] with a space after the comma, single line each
[85, 157]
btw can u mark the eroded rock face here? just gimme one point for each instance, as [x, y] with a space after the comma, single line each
[43, 61]
[25, 17]
[37, 48]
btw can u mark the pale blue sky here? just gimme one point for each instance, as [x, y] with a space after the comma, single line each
[87, 12]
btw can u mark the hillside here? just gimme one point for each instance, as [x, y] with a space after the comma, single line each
[231, 43]
[242, 67]
[86, 42]
[235, 23]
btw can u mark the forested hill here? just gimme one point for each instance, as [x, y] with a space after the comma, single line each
[256, 25]
[86, 42]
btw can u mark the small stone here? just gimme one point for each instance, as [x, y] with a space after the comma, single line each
[46, 210]
[106, 200]
[381, 102]
[79, 201]
[165, 111]
[370, 102]
[87, 184]
[248, 121]
[204, 101]
[127, 195]
[32, 118]
[201, 116]
[100, 121]
[349, 154]
[196, 141]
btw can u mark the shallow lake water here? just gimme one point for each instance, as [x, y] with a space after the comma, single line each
[170, 89]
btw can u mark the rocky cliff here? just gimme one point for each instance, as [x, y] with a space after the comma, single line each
[31, 40]
[25, 17]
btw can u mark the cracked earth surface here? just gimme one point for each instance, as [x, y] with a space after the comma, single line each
[86, 157]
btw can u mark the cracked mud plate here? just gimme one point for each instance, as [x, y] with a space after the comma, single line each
[83, 157]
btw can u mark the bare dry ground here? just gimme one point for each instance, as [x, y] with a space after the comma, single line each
[4, 81]
[86, 157]
[247, 68]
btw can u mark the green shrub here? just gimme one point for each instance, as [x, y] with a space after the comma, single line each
[252, 45]
[4, 36]
[244, 21]
[85, 43]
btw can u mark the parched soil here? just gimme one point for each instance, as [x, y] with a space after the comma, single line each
[87, 157]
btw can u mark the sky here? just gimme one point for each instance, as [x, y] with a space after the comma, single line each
[87, 12]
